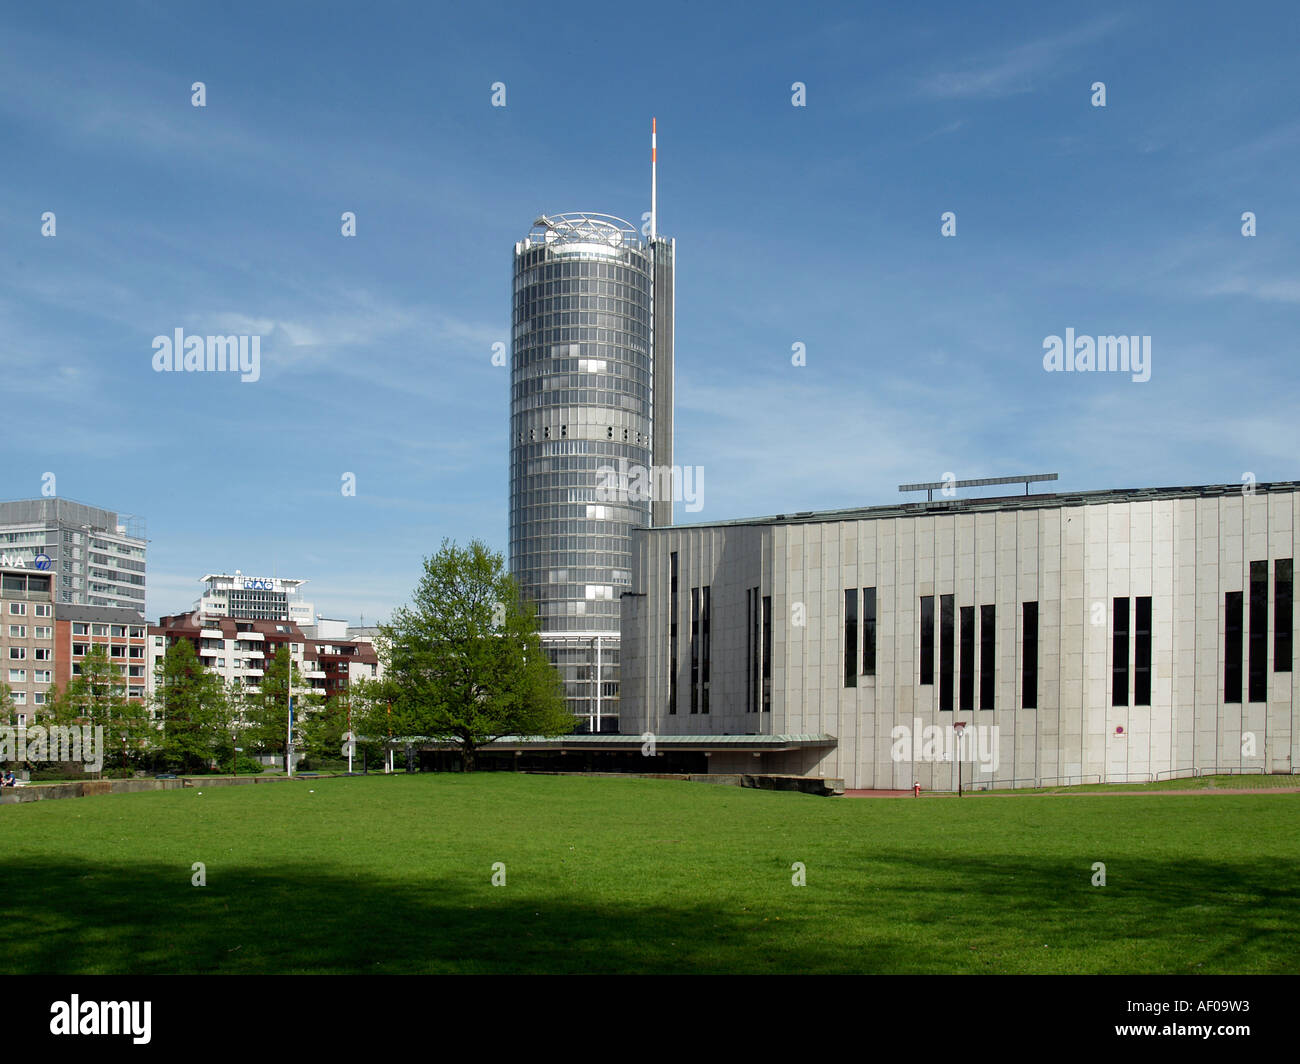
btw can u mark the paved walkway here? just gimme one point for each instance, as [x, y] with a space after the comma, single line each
[1086, 794]
[1199, 790]
[877, 794]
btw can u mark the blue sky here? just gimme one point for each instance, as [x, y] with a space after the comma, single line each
[817, 225]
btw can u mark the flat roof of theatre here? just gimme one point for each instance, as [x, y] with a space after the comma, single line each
[1001, 502]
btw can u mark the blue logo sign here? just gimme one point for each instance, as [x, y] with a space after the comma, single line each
[259, 585]
[42, 561]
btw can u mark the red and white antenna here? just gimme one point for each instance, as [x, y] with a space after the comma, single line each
[654, 187]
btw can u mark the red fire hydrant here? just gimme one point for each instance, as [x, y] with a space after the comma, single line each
[916, 789]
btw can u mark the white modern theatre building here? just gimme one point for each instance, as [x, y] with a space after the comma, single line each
[1106, 636]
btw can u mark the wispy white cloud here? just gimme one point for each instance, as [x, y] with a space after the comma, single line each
[1270, 290]
[944, 130]
[1014, 70]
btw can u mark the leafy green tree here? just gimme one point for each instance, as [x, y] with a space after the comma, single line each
[6, 704]
[97, 696]
[372, 715]
[266, 711]
[323, 729]
[464, 662]
[197, 716]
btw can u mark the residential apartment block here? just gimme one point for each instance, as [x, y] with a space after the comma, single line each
[27, 642]
[239, 651]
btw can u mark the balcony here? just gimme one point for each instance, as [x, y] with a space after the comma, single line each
[211, 633]
[26, 596]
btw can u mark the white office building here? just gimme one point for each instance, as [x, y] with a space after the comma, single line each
[97, 555]
[255, 598]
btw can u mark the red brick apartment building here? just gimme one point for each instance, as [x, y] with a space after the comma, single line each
[122, 631]
[240, 649]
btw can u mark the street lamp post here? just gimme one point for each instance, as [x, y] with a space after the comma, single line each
[288, 694]
[352, 738]
[959, 727]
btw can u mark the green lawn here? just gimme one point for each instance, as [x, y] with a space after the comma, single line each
[608, 875]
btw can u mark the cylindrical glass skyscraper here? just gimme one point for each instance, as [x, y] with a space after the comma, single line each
[591, 411]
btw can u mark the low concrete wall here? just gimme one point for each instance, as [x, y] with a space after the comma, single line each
[39, 792]
[238, 781]
[134, 786]
[825, 786]
[228, 781]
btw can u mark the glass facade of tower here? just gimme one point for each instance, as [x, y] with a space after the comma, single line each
[582, 426]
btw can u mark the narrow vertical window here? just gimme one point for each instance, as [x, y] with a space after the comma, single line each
[868, 631]
[672, 632]
[695, 650]
[1119, 655]
[946, 652]
[749, 650]
[987, 675]
[851, 637]
[1258, 662]
[1142, 650]
[927, 639]
[966, 687]
[704, 649]
[767, 653]
[1029, 658]
[1233, 630]
[1282, 598]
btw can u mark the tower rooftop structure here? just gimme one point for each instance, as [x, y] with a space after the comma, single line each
[578, 231]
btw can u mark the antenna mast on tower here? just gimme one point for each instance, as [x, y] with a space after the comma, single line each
[654, 190]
